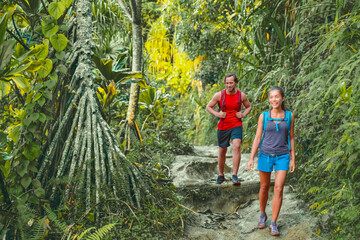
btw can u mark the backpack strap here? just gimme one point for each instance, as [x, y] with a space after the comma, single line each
[222, 99]
[265, 121]
[287, 118]
[239, 100]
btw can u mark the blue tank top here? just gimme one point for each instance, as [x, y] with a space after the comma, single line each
[275, 142]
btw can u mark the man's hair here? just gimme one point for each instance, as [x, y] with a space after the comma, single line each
[231, 75]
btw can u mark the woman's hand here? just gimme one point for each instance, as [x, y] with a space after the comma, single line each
[292, 166]
[250, 165]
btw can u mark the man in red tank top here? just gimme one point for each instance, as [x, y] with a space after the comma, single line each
[230, 123]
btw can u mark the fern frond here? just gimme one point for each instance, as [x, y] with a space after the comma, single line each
[98, 234]
[54, 218]
[38, 230]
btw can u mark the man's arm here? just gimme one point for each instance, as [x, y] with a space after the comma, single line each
[216, 98]
[247, 106]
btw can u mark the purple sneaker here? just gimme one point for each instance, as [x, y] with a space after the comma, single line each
[273, 230]
[220, 179]
[262, 222]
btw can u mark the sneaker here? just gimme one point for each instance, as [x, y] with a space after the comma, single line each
[220, 179]
[235, 180]
[262, 222]
[273, 230]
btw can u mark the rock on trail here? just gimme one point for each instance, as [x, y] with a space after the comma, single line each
[232, 212]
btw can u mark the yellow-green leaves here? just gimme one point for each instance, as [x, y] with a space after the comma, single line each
[6, 168]
[49, 29]
[4, 88]
[59, 42]
[21, 82]
[31, 151]
[46, 67]
[56, 9]
[43, 51]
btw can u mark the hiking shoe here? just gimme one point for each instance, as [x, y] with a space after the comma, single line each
[235, 180]
[273, 230]
[220, 179]
[262, 222]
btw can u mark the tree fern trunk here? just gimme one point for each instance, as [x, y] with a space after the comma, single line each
[82, 149]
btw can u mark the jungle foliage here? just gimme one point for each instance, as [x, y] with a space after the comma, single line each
[64, 89]
[310, 49]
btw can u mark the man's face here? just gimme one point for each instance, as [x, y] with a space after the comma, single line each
[230, 84]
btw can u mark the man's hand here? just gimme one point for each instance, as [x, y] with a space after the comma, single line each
[240, 115]
[221, 114]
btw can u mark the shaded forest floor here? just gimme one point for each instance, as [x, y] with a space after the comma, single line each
[232, 212]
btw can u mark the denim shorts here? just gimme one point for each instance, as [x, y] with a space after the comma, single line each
[225, 135]
[269, 162]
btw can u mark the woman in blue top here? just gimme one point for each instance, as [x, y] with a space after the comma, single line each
[275, 153]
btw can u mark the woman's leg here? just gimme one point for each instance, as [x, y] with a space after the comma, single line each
[280, 177]
[264, 189]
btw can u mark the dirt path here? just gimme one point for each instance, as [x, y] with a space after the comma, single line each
[232, 212]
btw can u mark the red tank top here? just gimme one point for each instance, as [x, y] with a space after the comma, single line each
[231, 108]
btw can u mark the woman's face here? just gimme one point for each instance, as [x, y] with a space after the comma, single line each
[275, 98]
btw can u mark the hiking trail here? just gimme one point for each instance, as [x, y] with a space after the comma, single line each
[232, 212]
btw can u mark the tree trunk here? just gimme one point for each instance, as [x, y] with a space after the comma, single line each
[82, 149]
[136, 60]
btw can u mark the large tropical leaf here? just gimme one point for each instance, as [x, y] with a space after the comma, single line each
[119, 76]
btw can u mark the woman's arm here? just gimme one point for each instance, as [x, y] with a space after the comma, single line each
[256, 142]
[292, 144]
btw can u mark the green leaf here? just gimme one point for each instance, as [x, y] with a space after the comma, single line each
[25, 181]
[31, 151]
[142, 83]
[60, 55]
[3, 24]
[45, 68]
[22, 83]
[22, 168]
[67, 3]
[14, 133]
[34, 116]
[3, 137]
[37, 96]
[50, 83]
[41, 101]
[42, 117]
[47, 94]
[62, 68]
[39, 192]
[43, 51]
[6, 168]
[33, 200]
[56, 9]
[49, 29]
[6, 51]
[59, 42]
[36, 183]
[4, 88]
[27, 121]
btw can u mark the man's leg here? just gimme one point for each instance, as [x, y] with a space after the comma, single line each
[236, 157]
[221, 159]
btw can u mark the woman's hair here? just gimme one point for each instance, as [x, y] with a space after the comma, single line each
[283, 107]
[231, 75]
